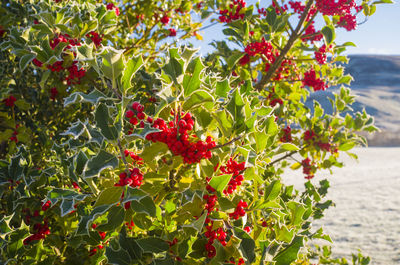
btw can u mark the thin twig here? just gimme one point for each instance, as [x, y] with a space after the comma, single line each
[123, 157]
[228, 143]
[283, 157]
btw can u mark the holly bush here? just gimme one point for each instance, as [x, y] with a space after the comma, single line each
[121, 145]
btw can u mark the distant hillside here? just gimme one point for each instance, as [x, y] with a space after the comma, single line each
[377, 86]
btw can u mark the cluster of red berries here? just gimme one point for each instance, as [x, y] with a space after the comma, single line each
[40, 232]
[136, 113]
[165, 19]
[273, 98]
[53, 93]
[134, 180]
[130, 224]
[10, 101]
[310, 34]
[311, 80]
[175, 134]
[41, 229]
[311, 138]
[136, 159]
[240, 261]
[342, 8]
[233, 13]
[239, 211]
[102, 235]
[320, 55]
[74, 75]
[260, 48]
[14, 134]
[111, 6]
[46, 205]
[236, 169]
[95, 37]
[287, 135]
[172, 32]
[308, 168]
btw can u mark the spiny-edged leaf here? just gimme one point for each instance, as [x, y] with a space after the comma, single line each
[199, 98]
[152, 151]
[113, 63]
[329, 33]
[346, 146]
[247, 245]
[102, 118]
[142, 133]
[15, 170]
[271, 127]
[261, 140]
[25, 60]
[188, 53]
[132, 66]
[234, 58]
[118, 257]
[83, 226]
[272, 190]
[80, 162]
[56, 194]
[289, 254]
[76, 129]
[115, 218]
[199, 223]
[283, 233]
[130, 245]
[289, 147]
[191, 80]
[153, 244]
[66, 207]
[235, 106]
[297, 211]
[134, 194]
[100, 162]
[79, 97]
[144, 205]
[110, 195]
[225, 122]
[44, 78]
[222, 88]
[219, 182]
[174, 69]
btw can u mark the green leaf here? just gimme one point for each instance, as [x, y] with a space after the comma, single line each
[289, 147]
[80, 162]
[115, 218]
[329, 34]
[222, 88]
[219, 182]
[225, 122]
[76, 129]
[110, 195]
[25, 60]
[135, 194]
[234, 58]
[100, 162]
[118, 257]
[113, 63]
[132, 66]
[289, 254]
[78, 97]
[83, 226]
[261, 140]
[102, 118]
[191, 80]
[153, 244]
[44, 78]
[174, 69]
[199, 223]
[272, 190]
[145, 205]
[283, 234]
[130, 245]
[197, 99]
[347, 146]
[271, 126]
[150, 152]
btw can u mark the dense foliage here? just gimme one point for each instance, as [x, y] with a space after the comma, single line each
[121, 146]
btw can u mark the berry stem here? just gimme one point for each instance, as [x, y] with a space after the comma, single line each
[123, 158]
[228, 143]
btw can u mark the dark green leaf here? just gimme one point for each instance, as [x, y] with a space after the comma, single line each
[100, 162]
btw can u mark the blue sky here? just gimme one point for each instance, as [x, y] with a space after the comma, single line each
[379, 35]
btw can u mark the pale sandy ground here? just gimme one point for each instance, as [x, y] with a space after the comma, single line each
[367, 212]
